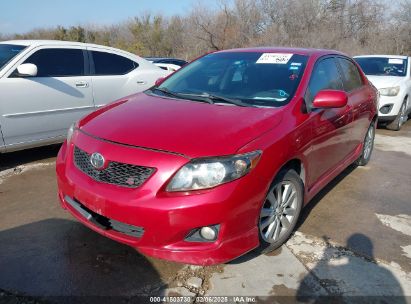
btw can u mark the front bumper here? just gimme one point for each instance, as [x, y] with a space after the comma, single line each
[166, 218]
[386, 118]
[394, 102]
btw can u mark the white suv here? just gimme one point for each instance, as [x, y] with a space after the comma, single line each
[47, 85]
[390, 74]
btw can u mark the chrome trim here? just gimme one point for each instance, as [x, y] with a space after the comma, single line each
[13, 115]
[78, 208]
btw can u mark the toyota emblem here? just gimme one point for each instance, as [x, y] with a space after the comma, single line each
[97, 160]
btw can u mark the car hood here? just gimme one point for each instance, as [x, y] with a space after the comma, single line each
[195, 129]
[385, 81]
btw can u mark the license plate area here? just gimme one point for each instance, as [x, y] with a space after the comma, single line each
[103, 222]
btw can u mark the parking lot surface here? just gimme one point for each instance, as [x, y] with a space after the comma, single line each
[354, 239]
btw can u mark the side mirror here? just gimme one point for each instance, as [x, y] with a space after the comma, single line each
[159, 81]
[330, 99]
[27, 70]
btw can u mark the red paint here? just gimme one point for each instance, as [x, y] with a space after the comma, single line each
[159, 81]
[165, 134]
[330, 99]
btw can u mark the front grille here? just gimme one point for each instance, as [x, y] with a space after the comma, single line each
[120, 174]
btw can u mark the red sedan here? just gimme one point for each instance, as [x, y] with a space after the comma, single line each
[219, 158]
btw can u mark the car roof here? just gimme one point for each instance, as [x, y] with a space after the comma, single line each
[43, 42]
[299, 51]
[383, 56]
[35, 43]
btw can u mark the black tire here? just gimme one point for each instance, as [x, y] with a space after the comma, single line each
[285, 177]
[366, 155]
[397, 123]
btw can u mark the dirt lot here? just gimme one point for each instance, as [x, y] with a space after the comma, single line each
[354, 239]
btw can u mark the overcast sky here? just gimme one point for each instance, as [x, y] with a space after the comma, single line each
[19, 16]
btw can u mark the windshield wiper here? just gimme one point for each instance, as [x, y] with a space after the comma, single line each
[167, 92]
[204, 97]
[182, 95]
[211, 98]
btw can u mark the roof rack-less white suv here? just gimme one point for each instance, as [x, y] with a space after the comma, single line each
[47, 85]
[391, 75]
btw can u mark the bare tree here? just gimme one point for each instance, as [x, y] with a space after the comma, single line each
[352, 26]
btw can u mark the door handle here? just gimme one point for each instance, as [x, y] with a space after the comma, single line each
[82, 84]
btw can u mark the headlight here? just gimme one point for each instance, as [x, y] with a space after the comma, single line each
[70, 132]
[391, 91]
[206, 173]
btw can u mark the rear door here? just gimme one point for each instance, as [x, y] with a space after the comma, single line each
[330, 127]
[41, 108]
[113, 76]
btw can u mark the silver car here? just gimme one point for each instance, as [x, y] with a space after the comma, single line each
[47, 85]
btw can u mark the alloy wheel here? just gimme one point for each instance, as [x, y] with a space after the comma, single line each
[403, 115]
[369, 139]
[278, 212]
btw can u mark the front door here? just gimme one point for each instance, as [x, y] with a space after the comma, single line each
[330, 127]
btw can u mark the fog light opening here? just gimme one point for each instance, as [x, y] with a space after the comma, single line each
[208, 233]
[386, 109]
[203, 234]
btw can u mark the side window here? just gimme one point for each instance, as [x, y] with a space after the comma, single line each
[111, 64]
[351, 76]
[58, 62]
[325, 76]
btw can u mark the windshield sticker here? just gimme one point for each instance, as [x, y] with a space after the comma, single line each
[395, 61]
[274, 58]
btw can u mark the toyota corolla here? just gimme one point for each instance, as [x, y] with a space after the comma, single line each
[219, 158]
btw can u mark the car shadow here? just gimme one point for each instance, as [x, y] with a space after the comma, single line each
[18, 158]
[62, 261]
[348, 278]
[305, 212]
[57, 85]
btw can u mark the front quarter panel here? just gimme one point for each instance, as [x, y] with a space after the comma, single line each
[289, 140]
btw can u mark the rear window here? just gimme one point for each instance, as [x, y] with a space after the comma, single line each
[8, 52]
[111, 64]
[383, 66]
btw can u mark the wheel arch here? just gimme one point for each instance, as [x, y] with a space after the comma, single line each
[297, 165]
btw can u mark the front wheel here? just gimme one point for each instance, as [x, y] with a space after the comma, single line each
[280, 211]
[368, 146]
[401, 118]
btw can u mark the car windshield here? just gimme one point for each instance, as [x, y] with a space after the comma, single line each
[249, 78]
[8, 52]
[383, 66]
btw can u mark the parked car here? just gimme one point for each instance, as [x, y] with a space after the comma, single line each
[46, 85]
[391, 75]
[220, 157]
[168, 64]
